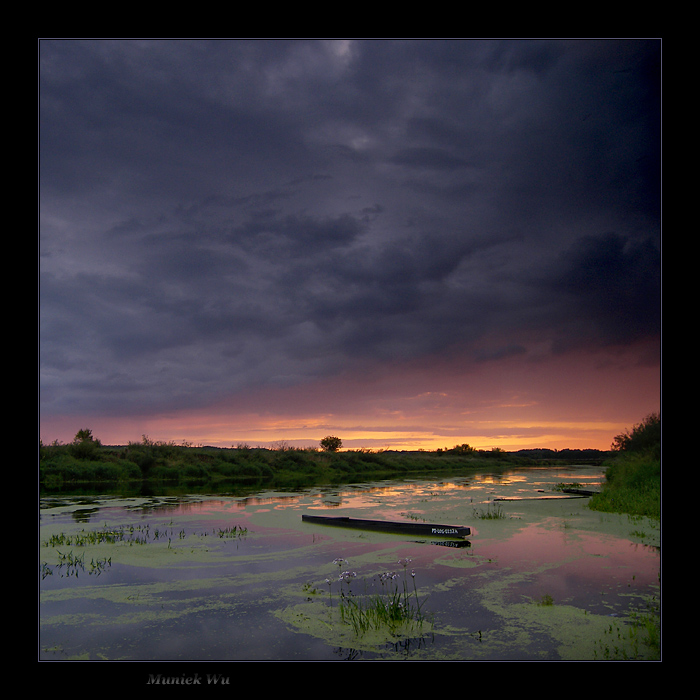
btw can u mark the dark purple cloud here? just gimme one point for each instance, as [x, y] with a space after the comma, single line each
[217, 214]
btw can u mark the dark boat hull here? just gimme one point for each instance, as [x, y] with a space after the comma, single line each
[416, 529]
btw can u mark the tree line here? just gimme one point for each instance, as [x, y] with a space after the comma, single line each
[86, 460]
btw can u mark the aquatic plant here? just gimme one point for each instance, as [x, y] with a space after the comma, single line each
[494, 511]
[413, 516]
[563, 486]
[233, 531]
[132, 535]
[396, 607]
[636, 638]
[71, 565]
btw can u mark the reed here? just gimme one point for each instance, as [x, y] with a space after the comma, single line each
[233, 531]
[70, 564]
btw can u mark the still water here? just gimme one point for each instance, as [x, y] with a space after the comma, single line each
[226, 578]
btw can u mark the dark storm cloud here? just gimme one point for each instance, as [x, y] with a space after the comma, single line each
[609, 288]
[216, 214]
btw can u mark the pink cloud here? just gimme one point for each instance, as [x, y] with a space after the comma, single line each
[578, 400]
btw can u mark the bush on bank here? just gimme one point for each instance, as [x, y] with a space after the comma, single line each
[633, 476]
[632, 485]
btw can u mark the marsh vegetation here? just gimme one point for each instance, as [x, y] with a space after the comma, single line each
[388, 603]
[633, 475]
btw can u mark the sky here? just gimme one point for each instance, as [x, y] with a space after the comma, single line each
[409, 244]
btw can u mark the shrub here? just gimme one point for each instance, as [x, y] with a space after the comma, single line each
[632, 485]
[330, 443]
[644, 437]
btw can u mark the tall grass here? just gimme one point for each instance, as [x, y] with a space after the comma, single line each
[632, 485]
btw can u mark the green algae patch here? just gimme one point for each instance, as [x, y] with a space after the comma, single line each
[376, 613]
[572, 514]
[458, 562]
[140, 608]
[526, 631]
[325, 621]
[573, 633]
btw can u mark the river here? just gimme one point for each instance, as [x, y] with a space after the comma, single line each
[242, 578]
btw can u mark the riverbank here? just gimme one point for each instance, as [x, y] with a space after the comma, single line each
[66, 466]
[632, 486]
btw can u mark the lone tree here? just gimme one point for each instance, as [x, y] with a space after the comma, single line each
[85, 435]
[84, 445]
[331, 443]
[463, 449]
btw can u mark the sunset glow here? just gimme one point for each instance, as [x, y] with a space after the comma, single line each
[391, 414]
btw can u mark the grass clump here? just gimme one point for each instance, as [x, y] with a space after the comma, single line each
[494, 511]
[396, 608]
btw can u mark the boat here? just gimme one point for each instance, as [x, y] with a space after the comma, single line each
[418, 529]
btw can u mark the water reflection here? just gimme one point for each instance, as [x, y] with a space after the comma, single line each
[193, 593]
